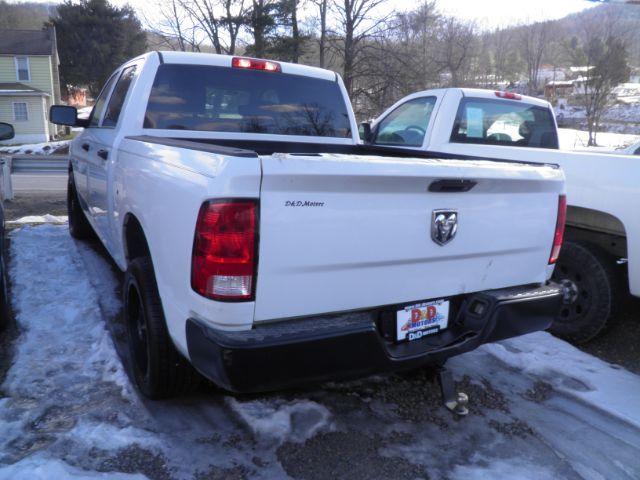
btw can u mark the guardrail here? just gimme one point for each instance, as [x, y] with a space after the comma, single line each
[39, 163]
[28, 164]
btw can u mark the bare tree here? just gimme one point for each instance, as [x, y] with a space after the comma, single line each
[356, 25]
[606, 60]
[504, 55]
[219, 20]
[457, 42]
[323, 7]
[174, 27]
[533, 40]
[417, 37]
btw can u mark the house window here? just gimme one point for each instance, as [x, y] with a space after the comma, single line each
[22, 69]
[20, 112]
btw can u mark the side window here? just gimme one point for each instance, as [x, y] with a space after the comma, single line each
[637, 152]
[407, 124]
[502, 122]
[98, 108]
[117, 97]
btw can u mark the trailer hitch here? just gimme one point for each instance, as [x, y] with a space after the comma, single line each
[455, 401]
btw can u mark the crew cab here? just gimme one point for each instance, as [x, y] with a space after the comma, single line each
[603, 192]
[266, 247]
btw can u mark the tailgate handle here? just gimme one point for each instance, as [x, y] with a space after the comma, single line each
[452, 185]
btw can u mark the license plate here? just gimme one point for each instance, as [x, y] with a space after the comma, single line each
[417, 321]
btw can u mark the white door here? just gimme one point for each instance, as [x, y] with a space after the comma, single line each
[105, 154]
[84, 151]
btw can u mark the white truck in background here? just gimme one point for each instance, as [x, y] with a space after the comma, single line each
[265, 246]
[603, 190]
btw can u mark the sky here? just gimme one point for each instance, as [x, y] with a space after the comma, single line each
[496, 13]
[486, 13]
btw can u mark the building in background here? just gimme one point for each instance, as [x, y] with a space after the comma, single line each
[29, 82]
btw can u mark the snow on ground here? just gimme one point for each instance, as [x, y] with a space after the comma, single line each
[45, 148]
[540, 409]
[33, 219]
[281, 421]
[571, 139]
[623, 113]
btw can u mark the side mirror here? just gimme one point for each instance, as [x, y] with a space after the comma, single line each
[6, 131]
[66, 115]
[364, 130]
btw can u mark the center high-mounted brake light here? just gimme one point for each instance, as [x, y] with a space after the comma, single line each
[508, 95]
[255, 64]
[559, 234]
[224, 256]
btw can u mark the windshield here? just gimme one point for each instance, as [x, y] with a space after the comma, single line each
[220, 99]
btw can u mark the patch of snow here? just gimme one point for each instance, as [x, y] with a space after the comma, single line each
[513, 469]
[38, 468]
[601, 385]
[45, 148]
[282, 421]
[571, 139]
[110, 437]
[34, 219]
[64, 355]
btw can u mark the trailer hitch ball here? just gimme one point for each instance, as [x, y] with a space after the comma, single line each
[455, 401]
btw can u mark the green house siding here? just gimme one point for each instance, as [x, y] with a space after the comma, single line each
[42, 78]
[35, 125]
[39, 67]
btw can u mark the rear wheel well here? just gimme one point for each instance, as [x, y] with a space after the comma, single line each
[598, 228]
[135, 241]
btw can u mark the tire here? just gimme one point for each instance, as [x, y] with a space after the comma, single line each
[157, 367]
[79, 226]
[594, 288]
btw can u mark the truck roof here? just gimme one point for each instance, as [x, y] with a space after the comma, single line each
[212, 59]
[475, 93]
[483, 93]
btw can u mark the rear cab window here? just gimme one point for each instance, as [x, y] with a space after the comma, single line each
[221, 99]
[504, 122]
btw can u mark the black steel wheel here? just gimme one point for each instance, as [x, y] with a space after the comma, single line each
[591, 294]
[157, 367]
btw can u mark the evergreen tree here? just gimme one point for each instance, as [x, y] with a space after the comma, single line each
[94, 37]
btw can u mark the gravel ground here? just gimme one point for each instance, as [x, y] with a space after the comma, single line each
[36, 203]
[378, 426]
[621, 343]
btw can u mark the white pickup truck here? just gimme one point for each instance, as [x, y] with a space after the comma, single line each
[264, 245]
[603, 190]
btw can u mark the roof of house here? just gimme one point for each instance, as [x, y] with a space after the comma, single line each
[19, 89]
[27, 42]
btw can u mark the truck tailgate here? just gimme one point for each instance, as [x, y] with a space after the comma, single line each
[344, 232]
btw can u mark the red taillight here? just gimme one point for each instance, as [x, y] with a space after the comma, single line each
[508, 95]
[559, 235]
[224, 250]
[255, 64]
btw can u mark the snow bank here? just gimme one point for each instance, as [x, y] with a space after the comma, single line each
[45, 148]
[47, 218]
[571, 139]
[282, 421]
